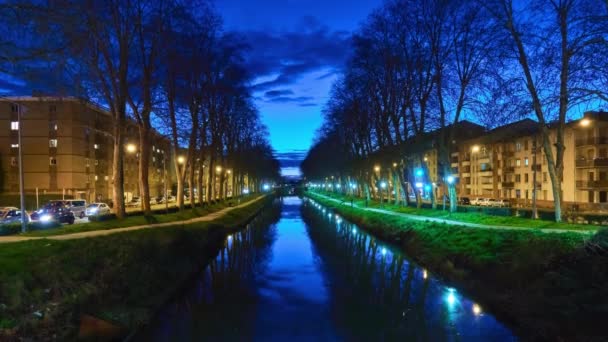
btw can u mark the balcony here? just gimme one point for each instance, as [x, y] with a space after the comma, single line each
[507, 154]
[583, 184]
[508, 184]
[508, 169]
[592, 141]
[597, 162]
[454, 160]
[537, 167]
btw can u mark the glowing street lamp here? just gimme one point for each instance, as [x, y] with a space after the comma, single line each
[377, 168]
[218, 169]
[585, 122]
[475, 149]
[131, 148]
[394, 164]
[450, 180]
[383, 185]
[181, 160]
[228, 171]
[419, 172]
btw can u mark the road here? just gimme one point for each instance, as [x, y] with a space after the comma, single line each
[459, 223]
[94, 233]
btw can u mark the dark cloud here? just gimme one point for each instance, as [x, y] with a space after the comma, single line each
[291, 158]
[279, 92]
[288, 99]
[288, 55]
[308, 104]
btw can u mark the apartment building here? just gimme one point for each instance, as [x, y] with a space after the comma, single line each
[68, 148]
[509, 162]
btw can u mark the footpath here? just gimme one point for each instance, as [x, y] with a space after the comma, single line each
[457, 223]
[94, 233]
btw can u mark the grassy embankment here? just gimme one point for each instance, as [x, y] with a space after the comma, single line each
[476, 215]
[133, 219]
[45, 286]
[547, 286]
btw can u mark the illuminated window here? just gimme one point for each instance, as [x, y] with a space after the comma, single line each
[518, 162]
[86, 162]
[96, 146]
[15, 145]
[518, 146]
[96, 177]
[106, 177]
[13, 161]
[14, 125]
[53, 161]
[526, 161]
[53, 143]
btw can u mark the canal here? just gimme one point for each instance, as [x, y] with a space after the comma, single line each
[300, 273]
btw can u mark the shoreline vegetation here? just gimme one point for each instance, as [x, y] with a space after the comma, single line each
[545, 286]
[48, 286]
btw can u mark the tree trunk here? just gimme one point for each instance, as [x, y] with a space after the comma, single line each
[118, 191]
[144, 168]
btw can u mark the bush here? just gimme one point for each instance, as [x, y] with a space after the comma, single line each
[100, 218]
[10, 229]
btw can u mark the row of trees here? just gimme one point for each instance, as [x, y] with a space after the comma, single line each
[166, 64]
[422, 66]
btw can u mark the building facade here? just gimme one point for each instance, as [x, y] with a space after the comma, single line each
[68, 149]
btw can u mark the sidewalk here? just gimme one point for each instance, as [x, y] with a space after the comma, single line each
[94, 233]
[457, 223]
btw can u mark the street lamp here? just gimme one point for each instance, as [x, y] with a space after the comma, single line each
[585, 122]
[21, 184]
[218, 169]
[382, 186]
[377, 168]
[131, 148]
[181, 160]
[475, 148]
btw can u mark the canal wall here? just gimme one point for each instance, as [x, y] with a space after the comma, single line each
[545, 286]
[113, 284]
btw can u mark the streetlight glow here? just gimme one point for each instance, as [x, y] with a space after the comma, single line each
[419, 172]
[131, 148]
[475, 149]
[450, 179]
[218, 169]
[383, 185]
[181, 159]
[585, 122]
[377, 168]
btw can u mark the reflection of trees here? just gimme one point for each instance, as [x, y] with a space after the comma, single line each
[221, 297]
[375, 297]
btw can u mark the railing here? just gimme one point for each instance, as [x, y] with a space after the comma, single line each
[592, 184]
[508, 184]
[509, 169]
[507, 154]
[537, 167]
[592, 162]
[592, 141]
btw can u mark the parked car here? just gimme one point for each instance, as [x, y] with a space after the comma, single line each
[477, 200]
[135, 202]
[488, 202]
[10, 215]
[54, 211]
[98, 209]
[464, 201]
[77, 207]
[503, 203]
[171, 199]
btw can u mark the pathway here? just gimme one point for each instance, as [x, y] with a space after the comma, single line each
[94, 233]
[458, 223]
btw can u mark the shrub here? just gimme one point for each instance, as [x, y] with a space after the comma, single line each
[10, 229]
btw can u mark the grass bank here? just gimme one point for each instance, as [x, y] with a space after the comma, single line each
[547, 286]
[474, 215]
[133, 219]
[45, 286]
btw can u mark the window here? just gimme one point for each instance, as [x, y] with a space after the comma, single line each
[53, 161]
[96, 162]
[526, 162]
[96, 146]
[53, 143]
[14, 145]
[14, 125]
[106, 178]
[53, 126]
[96, 177]
[544, 177]
[52, 108]
[518, 162]
[526, 144]
[14, 108]
[13, 161]
[526, 177]
[518, 146]
[518, 178]
[86, 162]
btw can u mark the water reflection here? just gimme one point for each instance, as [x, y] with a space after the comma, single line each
[301, 272]
[377, 294]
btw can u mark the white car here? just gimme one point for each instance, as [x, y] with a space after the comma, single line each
[502, 203]
[98, 209]
[10, 215]
[488, 202]
[477, 201]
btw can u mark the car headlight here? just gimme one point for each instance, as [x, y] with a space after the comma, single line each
[93, 210]
[46, 218]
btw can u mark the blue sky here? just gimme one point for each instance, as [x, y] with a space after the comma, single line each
[297, 49]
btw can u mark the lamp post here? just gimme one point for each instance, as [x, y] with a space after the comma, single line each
[382, 187]
[165, 181]
[21, 185]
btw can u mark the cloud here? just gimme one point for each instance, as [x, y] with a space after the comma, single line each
[288, 55]
[288, 99]
[279, 92]
[291, 159]
[308, 104]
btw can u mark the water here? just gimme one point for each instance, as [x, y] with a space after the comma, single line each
[301, 273]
